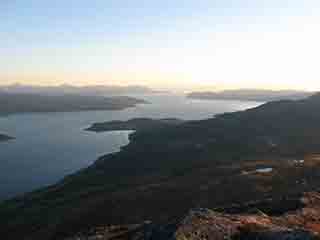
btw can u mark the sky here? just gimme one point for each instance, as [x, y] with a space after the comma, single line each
[181, 44]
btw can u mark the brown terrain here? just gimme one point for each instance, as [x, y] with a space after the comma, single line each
[200, 224]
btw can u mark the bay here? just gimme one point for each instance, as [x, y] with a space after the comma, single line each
[49, 146]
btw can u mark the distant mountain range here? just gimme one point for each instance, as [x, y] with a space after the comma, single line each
[103, 90]
[251, 95]
[26, 103]
[270, 152]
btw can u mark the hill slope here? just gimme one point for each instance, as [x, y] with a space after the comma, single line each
[267, 152]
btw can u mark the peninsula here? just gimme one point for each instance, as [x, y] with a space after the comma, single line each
[136, 124]
[11, 103]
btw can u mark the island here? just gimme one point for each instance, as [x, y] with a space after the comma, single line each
[4, 138]
[136, 124]
[11, 103]
[263, 161]
[251, 95]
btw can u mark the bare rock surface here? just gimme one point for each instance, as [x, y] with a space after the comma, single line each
[204, 224]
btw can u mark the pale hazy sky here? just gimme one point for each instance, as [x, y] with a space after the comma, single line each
[179, 44]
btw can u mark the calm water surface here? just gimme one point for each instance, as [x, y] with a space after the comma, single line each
[49, 146]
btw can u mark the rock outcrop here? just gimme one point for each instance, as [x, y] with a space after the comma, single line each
[204, 224]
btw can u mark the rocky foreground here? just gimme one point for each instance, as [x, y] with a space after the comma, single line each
[236, 222]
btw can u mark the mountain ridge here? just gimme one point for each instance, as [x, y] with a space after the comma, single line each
[251, 95]
[94, 90]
